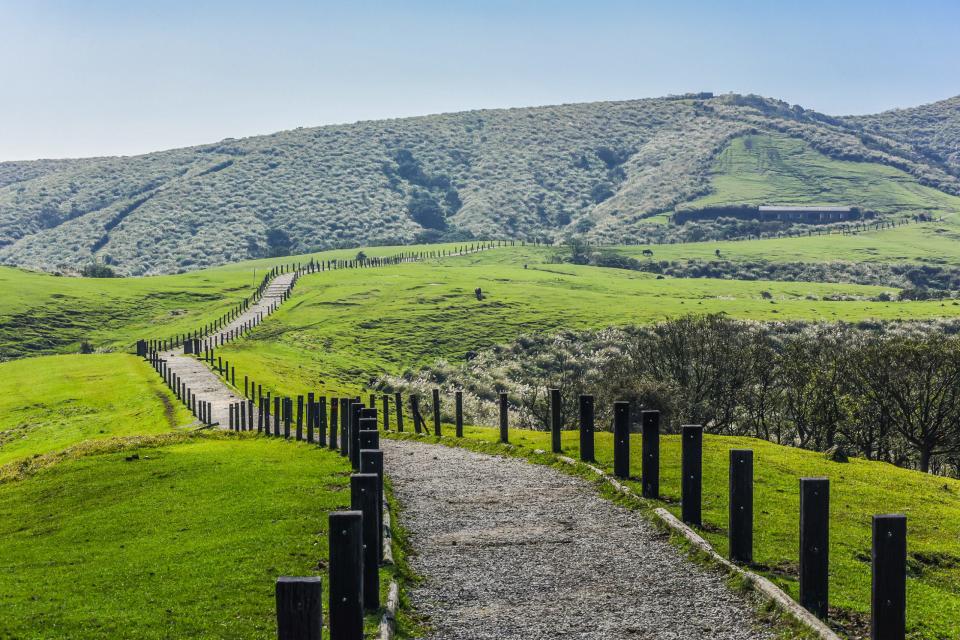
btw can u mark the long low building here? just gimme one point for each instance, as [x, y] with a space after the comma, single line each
[808, 214]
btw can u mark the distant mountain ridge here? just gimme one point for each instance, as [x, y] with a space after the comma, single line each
[597, 170]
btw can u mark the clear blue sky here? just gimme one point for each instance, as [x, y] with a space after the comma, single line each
[98, 77]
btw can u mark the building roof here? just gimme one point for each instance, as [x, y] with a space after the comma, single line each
[815, 209]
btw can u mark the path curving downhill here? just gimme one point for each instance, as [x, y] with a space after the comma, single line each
[509, 549]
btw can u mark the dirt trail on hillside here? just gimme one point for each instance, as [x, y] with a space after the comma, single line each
[206, 384]
[508, 549]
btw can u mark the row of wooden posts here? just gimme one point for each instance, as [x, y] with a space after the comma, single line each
[888, 605]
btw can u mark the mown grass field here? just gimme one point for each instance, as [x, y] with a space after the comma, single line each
[53, 402]
[184, 541]
[342, 329]
[42, 313]
[776, 169]
[859, 489]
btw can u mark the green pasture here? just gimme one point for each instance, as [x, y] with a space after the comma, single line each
[53, 402]
[859, 489]
[42, 313]
[778, 170]
[176, 540]
[341, 330]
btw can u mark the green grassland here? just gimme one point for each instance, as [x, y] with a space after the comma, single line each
[183, 541]
[53, 402]
[929, 242]
[859, 489]
[42, 313]
[340, 330]
[775, 169]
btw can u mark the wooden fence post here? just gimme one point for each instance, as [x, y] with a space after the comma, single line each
[740, 511]
[363, 498]
[346, 575]
[386, 412]
[691, 482]
[311, 415]
[556, 420]
[299, 608]
[586, 428]
[399, 404]
[334, 421]
[276, 416]
[322, 419]
[299, 417]
[344, 417]
[504, 418]
[621, 439]
[650, 461]
[458, 404]
[888, 619]
[371, 461]
[287, 415]
[815, 545]
[436, 413]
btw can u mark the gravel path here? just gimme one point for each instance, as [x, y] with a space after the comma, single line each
[201, 379]
[509, 549]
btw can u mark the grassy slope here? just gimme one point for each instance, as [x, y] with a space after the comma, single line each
[185, 542]
[342, 329]
[766, 169]
[40, 313]
[53, 402]
[859, 489]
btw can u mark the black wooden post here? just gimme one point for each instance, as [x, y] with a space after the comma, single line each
[287, 415]
[386, 412]
[322, 420]
[436, 413]
[586, 428]
[363, 498]
[371, 461]
[311, 415]
[299, 417]
[334, 421]
[346, 575]
[344, 418]
[621, 439]
[415, 410]
[740, 517]
[276, 416]
[299, 608]
[815, 545]
[504, 418]
[888, 602]
[556, 420]
[458, 402]
[399, 404]
[650, 421]
[691, 482]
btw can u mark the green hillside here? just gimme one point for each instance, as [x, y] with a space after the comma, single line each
[180, 540]
[54, 402]
[598, 170]
[933, 130]
[42, 314]
[766, 169]
[342, 329]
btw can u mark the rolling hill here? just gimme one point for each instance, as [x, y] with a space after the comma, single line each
[599, 170]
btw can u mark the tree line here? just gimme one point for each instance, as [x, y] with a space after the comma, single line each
[881, 391]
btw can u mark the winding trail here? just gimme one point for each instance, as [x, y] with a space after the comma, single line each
[511, 550]
[206, 384]
[508, 549]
